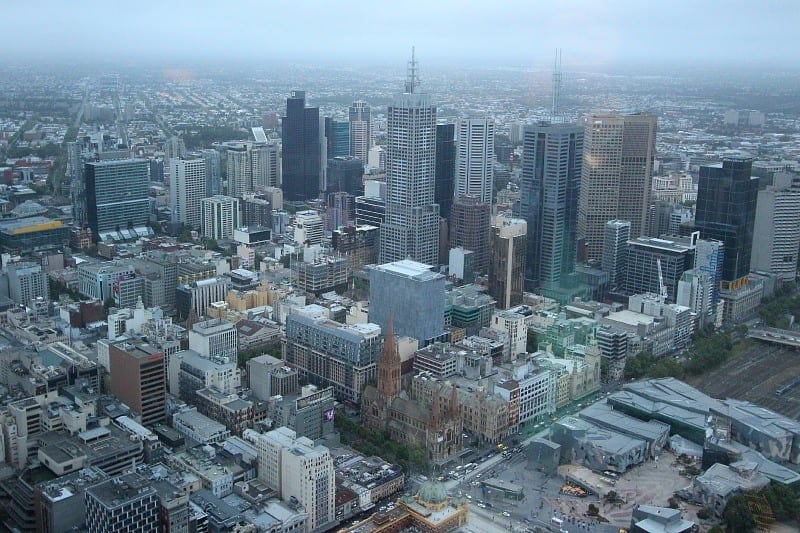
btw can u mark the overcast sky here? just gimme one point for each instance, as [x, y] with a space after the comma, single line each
[592, 33]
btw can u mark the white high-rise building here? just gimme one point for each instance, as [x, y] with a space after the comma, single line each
[360, 130]
[411, 230]
[475, 158]
[240, 175]
[174, 148]
[214, 338]
[265, 165]
[26, 282]
[219, 216]
[296, 468]
[187, 187]
[777, 233]
[308, 227]
[251, 166]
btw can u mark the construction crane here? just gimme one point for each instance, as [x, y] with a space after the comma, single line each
[662, 288]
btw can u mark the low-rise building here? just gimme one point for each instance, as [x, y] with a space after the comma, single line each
[597, 448]
[371, 479]
[199, 428]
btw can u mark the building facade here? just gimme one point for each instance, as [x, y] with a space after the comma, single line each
[445, 170]
[412, 295]
[331, 354]
[475, 158]
[187, 187]
[117, 195]
[471, 228]
[507, 266]
[551, 178]
[411, 229]
[219, 216]
[302, 154]
[138, 378]
[127, 504]
[726, 210]
[26, 283]
[616, 176]
[360, 130]
[775, 250]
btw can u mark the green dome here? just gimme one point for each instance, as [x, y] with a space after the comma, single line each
[432, 492]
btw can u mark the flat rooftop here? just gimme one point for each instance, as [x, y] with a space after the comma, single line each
[667, 245]
[117, 492]
[410, 269]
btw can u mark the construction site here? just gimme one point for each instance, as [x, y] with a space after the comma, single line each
[764, 374]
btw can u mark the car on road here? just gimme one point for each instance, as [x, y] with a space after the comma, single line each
[506, 514]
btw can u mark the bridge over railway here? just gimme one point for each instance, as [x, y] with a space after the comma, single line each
[784, 337]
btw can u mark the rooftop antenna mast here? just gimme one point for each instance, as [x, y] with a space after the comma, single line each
[556, 84]
[412, 77]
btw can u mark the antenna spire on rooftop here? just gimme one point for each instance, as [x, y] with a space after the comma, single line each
[412, 76]
[556, 84]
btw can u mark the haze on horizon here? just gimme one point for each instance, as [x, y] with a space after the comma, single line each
[599, 35]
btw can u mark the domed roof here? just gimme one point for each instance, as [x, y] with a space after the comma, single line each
[432, 492]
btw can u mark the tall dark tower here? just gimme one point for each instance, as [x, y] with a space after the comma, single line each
[551, 178]
[301, 149]
[389, 370]
[444, 176]
[726, 211]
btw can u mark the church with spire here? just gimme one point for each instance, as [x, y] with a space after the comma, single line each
[431, 423]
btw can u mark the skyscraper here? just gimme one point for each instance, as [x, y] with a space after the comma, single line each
[297, 468]
[507, 267]
[412, 218]
[471, 227]
[551, 177]
[337, 136]
[265, 165]
[116, 194]
[776, 225]
[186, 188]
[726, 211]
[301, 149]
[174, 148]
[252, 166]
[213, 170]
[138, 378]
[219, 216]
[345, 174]
[475, 158]
[616, 175]
[444, 175]
[240, 175]
[360, 130]
[615, 251]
